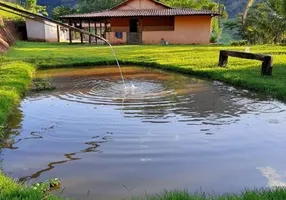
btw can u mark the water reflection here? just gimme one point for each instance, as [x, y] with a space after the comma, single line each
[92, 147]
[158, 97]
[274, 179]
[171, 131]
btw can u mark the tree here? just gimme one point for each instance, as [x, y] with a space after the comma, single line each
[96, 5]
[31, 5]
[265, 23]
[249, 4]
[62, 10]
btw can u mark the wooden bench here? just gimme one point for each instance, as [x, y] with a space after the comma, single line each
[267, 60]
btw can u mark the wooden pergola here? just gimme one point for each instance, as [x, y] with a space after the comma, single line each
[100, 26]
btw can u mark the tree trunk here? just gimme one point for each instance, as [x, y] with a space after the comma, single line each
[248, 5]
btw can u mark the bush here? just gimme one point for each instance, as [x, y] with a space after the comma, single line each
[239, 43]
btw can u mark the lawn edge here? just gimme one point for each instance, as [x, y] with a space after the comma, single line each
[204, 74]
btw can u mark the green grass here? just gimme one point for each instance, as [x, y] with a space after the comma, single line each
[262, 194]
[15, 78]
[10, 16]
[196, 60]
[11, 190]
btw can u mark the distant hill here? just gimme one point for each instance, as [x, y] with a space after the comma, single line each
[51, 4]
[235, 7]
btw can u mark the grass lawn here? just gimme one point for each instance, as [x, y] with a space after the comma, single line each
[15, 78]
[195, 60]
[18, 65]
[10, 16]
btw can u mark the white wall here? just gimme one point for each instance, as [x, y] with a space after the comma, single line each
[51, 32]
[35, 30]
[44, 31]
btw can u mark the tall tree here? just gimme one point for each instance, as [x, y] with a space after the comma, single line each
[96, 5]
[249, 4]
[62, 10]
[265, 23]
[31, 5]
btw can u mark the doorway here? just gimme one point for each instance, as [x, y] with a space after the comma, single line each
[133, 25]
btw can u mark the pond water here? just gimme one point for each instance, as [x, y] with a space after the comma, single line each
[169, 131]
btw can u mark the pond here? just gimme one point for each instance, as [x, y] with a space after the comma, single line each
[168, 131]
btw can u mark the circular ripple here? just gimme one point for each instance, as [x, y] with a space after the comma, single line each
[108, 91]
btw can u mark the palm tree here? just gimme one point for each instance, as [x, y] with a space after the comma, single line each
[248, 5]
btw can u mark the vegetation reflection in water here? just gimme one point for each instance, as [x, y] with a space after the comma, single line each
[171, 131]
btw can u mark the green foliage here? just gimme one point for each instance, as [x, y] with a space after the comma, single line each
[41, 84]
[10, 16]
[11, 190]
[96, 5]
[15, 78]
[31, 5]
[262, 194]
[62, 10]
[265, 23]
[47, 185]
[239, 43]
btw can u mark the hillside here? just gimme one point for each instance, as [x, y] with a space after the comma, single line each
[234, 7]
[51, 4]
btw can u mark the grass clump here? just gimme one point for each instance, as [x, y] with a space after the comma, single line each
[11, 190]
[41, 84]
[200, 60]
[262, 194]
[15, 78]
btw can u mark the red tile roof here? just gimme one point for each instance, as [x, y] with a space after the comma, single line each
[142, 13]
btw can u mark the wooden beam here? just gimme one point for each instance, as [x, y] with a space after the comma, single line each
[267, 60]
[89, 37]
[240, 54]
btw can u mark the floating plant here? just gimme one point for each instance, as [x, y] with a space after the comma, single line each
[47, 185]
[40, 84]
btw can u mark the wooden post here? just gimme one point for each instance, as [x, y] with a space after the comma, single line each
[89, 37]
[266, 69]
[105, 29]
[100, 31]
[58, 33]
[223, 59]
[141, 30]
[81, 34]
[70, 32]
[95, 32]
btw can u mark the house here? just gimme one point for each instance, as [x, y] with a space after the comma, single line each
[147, 22]
[41, 30]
